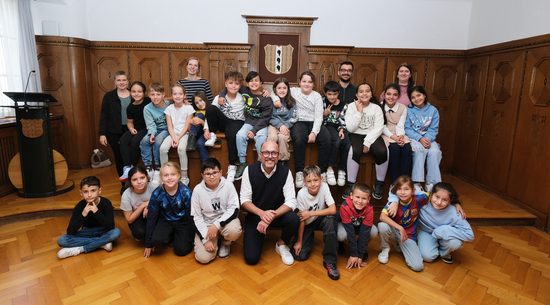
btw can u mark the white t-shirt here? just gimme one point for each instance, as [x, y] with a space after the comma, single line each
[130, 201]
[308, 202]
[179, 116]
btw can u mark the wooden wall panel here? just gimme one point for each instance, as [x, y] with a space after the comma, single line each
[470, 113]
[151, 66]
[528, 178]
[369, 69]
[499, 119]
[444, 86]
[178, 64]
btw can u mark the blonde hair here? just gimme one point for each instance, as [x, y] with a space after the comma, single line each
[173, 165]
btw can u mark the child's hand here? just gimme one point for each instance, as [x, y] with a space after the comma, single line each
[221, 101]
[145, 212]
[197, 121]
[426, 143]
[133, 131]
[148, 251]
[212, 232]
[284, 130]
[266, 93]
[327, 110]
[392, 209]
[354, 262]
[210, 246]
[359, 106]
[404, 235]
[86, 210]
[341, 134]
[175, 143]
[365, 149]
[298, 247]
[250, 135]
[304, 215]
[311, 138]
[277, 104]
[459, 211]
[206, 134]
[185, 102]
[152, 139]
[93, 207]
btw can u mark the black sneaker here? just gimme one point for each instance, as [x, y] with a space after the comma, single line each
[348, 190]
[332, 270]
[240, 170]
[191, 142]
[447, 260]
[378, 189]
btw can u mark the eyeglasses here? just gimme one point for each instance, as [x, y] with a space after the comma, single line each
[211, 174]
[346, 70]
[273, 154]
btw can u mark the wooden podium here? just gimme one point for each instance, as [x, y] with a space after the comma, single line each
[37, 167]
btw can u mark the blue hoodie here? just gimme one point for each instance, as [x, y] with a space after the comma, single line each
[422, 123]
[444, 224]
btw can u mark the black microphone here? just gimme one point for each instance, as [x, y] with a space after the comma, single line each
[27, 86]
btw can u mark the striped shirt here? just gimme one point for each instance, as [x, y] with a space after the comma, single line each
[191, 86]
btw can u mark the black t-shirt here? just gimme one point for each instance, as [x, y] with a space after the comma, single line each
[333, 118]
[135, 112]
[347, 94]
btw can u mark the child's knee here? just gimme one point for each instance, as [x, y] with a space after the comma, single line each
[416, 265]
[204, 257]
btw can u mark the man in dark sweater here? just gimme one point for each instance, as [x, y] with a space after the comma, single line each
[267, 193]
[94, 214]
[347, 89]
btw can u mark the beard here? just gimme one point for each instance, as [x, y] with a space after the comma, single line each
[345, 80]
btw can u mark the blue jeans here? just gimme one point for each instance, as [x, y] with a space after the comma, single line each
[242, 140]
[145, 146]
[203, 151]
[410, 249]
[431, 247]
[432, 158]
[89, 238]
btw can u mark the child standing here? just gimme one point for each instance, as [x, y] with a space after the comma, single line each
[135, 199]
[356, 218]
[94, 214]
[178, 119]
[282, 119]
[316, 212]
[335, 122]
[365, 122]
[441, 229]
[422, 127]
[215, 210]
[227, 117]
[394, 136]
[196, 138]
[170, 213]
[157, 129]
[129, 142]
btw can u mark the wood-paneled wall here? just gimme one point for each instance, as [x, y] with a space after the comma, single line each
[493, 101]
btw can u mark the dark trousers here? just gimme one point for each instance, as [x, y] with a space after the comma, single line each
[138, 228]
[338, 144]
[378, 148]
[181, 230]
[199, 133]
[253, 240]
[300, 133]
[400, 160]
[217, 121]
[129, 147]
[113, 139]
[327, 224]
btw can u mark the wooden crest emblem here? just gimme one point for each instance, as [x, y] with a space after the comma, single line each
[278, 59]
[32, 128]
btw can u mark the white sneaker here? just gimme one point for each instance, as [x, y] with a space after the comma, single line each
[341, 178]
[330, 179]
[184, 180]
[107, 247]
[384, 256]
[231, 171]
[418, 187]
[429, 188]
[324, 175]
[156, 176]
[212, 140]
[284, 252]
[397, 248]
[150, 173]
[224, 250]
[67, 252]
[299, 180]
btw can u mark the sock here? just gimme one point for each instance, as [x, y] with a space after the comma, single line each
[184, 173]
[381, 171]
[353, 168]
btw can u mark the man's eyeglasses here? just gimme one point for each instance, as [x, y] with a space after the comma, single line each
[273, 154]
[212, 174]
[346, 70]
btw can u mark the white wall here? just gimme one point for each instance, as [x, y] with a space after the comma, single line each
[496, 21]
[422, 24]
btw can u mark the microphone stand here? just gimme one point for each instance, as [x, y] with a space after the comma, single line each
[25, 92]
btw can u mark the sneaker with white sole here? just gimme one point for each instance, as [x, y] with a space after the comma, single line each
[125, 172]
[429, 188]
[347, 191]
[224, 250]
[240, 170]
[384, 256]
[324, 175]
[156, 176]
[68, 252]
[284, 252]
[299, 180]
[184, 180]
[332, 271]
[418, 187]
[107, 247]
[397, 248]
[341, 178]
[447, 259]
[231, 171]
[331, 179]
[212, 140]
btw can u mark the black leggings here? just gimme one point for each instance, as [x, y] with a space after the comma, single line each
[378, 148]
[113, 140]
[218, 121]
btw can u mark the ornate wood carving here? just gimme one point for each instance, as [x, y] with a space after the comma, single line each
[539, 88]
[149, 71]
[366, 73]
[52, 72]
[326, 73]
[503, 81]
[444, 82]
[472, 82]
[107, 66]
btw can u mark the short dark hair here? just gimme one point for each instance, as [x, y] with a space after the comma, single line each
[419, 89]
[362, 187]
[234, 75]
[133, 171]
[90, 181]
[251, 75]
[332, 86]
[312, 170]
[210, 163]
[453, 194]
[349, 63]
[308, 73]
[400, 181]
